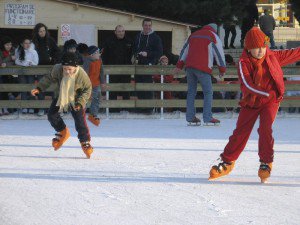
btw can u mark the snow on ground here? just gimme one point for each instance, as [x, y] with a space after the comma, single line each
[146, 171]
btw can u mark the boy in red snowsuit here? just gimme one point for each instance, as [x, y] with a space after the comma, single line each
[262, 86]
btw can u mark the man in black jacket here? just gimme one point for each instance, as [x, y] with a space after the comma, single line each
[117, 50]
[267, 24]
[147, 51]
[250, 18]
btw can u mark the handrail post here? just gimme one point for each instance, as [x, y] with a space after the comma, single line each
[107, 96]
[161, 97]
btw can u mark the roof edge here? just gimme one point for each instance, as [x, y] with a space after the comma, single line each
[126, 13]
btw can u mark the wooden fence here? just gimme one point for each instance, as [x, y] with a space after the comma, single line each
[290, 71]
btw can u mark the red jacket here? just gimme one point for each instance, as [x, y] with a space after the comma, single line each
[272, 85]
[167, 78]
[200, 50]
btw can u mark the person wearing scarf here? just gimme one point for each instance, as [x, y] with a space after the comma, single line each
[72, 90]
[262, 86]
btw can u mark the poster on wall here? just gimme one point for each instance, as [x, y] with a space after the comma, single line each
[65, 30]
[19, 14]
[83, 33]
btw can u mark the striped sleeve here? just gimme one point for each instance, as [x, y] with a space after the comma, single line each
[219, 54]
[183, 54]
[247, 85]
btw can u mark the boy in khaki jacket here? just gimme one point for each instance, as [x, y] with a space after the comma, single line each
[72, 90]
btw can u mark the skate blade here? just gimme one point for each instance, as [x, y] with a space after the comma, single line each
[215, 178]
[263, 181]
[211, 124]
[194, 124]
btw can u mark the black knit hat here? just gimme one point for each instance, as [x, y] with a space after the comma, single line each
[92, 49]
[70, 44]
[69, 59]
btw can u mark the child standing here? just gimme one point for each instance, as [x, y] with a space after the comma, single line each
[73, 90]
[262, 87]
[26, 56]
[164, 61]
[7, 58]
[94, 68]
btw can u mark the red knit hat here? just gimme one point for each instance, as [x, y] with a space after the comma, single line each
[255, 38]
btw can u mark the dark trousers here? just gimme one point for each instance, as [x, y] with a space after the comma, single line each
[144, 79]
[79, 117]
[271, 36]
[119, 79]
[228, 30]
[247, 24]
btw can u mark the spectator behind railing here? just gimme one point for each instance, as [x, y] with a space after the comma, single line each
[250, 18]
[71, 46]
[147, 51]
[26, 56]
[117, 50]
[47, 50]
[164, 61]
[7, 58]
[82, 48]
[45, 45]
[267, 24]
[229, 27]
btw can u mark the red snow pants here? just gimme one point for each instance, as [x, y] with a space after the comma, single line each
[246, 120]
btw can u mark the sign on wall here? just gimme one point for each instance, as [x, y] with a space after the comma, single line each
[65, 32]
[19, 14]
[83, 33]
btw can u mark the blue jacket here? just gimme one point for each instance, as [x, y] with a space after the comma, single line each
[150, 43]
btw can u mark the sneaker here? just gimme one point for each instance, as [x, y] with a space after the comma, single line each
[194, 122]
[87, 148]
[226, 47]
[1, 112]
[264, 171]
[232, 46]
[31, 111]
[220, 170]
[41, 112]
[24, 111]
[94, 119]
[212, 122]
[60, 138]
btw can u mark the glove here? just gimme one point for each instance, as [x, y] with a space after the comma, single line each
[35, 91]
[77, 107]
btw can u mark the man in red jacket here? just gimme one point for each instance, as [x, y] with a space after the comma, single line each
[262, 86]
[198, 54]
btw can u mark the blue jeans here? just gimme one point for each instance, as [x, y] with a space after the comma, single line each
[193, 76]
[271, 36]
[95, 104]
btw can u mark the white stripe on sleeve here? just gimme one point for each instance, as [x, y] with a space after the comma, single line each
[247, 85]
